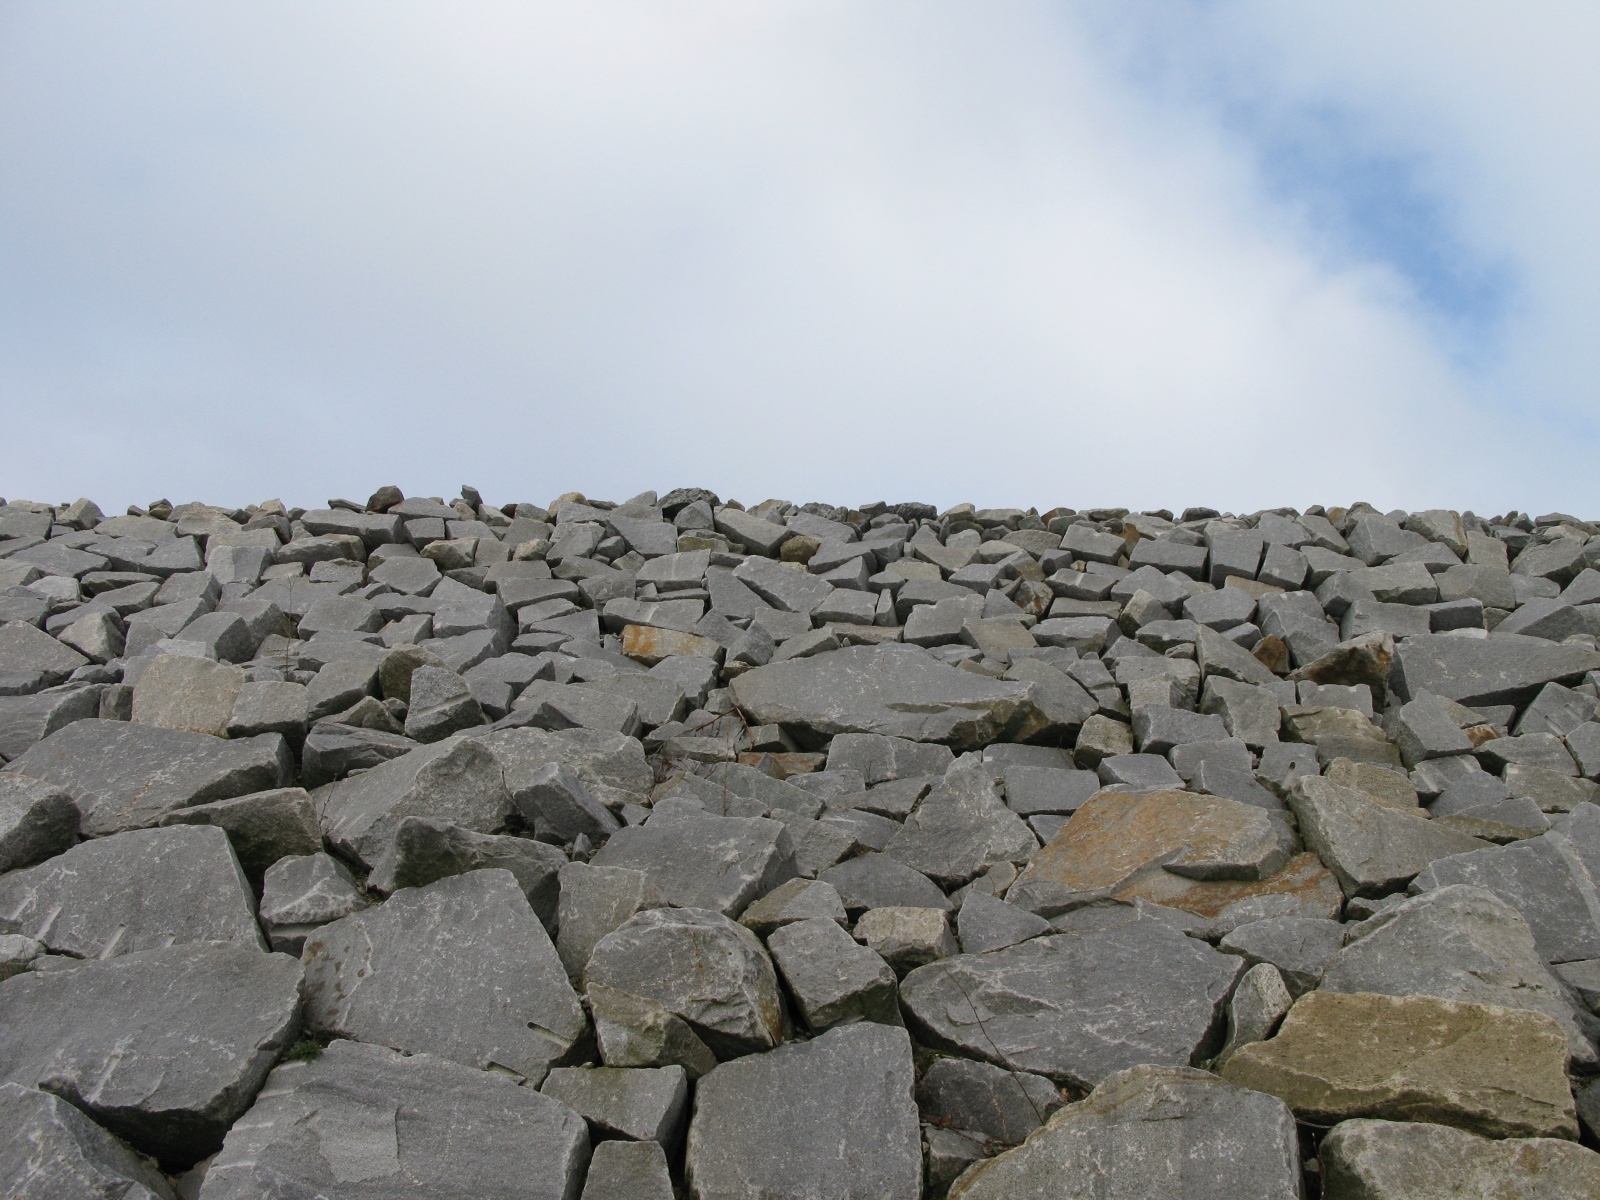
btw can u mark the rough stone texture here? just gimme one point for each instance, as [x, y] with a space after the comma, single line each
[891, 690]
[592, 902]
[962, 829]
[262, 828]
[1495, 1071]
[1077, 1008]
[831, 978]
[461, 968]
[300, 894]
[643, 1104]
[906, 938]
[1373, 848]
[36, 821]
[692, 964]
[1151, 1131]
[365, 1123]
[1363, 1159]
[1500, 669]
[49, 1149]
[796, 900]
[611, 766]
[125, 776]
[424, 851]
[720, 863]
[1299, 947]
[141, 890]
[1258, 1003]
[178, 692]
[628, 1171]
[981, 1098]
[830, 1119]
[164, 1048]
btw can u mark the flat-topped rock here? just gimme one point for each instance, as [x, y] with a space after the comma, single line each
[694, 861]
[51, 1149]
[1364, 1159]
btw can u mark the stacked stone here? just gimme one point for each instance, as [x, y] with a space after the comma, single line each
[427, 849]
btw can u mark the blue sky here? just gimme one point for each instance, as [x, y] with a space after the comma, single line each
[1239, 254]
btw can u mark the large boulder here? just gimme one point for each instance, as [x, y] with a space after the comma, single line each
[692, 964]
[1363, 1159]
[611, 765]
[1496, 1071]
[126, 776]
[165, 1048]
[141, 890]
[36, 821]
[50, 1149]
[1172, 1132]
[829, 1119]
[896, 690]
[25, 720]
[262, 827]
[458, 781]
[1504, 668]
[1458, 943]
[694, 861]
[1077, 1007]
[365, 1123]
[461, 968]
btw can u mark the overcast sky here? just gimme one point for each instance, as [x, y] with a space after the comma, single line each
[1235, 254]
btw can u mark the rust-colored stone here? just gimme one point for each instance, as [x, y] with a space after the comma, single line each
[650, 645]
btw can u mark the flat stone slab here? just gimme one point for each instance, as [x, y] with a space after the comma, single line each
[961, 829]
[146, 889]
[164, 1048]
[1502, 668]
[1496, 1071]
[1077, 1007]
[461, 968]
[719, 863]
[641, 1103]
[48, 1148]
[1149, 1131]
[362, 1122]
[611, 765]
[1363, 1159]
[830, 1119]
[898, 691]
[125, 776]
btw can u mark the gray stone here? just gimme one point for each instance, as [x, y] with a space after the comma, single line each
[440, 704]
[907, 938]
[426, 850]
[796, 900]
[878, 881]
[980, 1098]
[1299, 947]
[262, 827]
[430, 970]
[1457, 943]
[893, 690]
[37, 821]
[27, 720]
[141, 890]
[270, 706]
[365, 1123]
[1153, 1130]
[1373, 848]
[1364, 1159]
[1138, 772]
[301, 893]
[1077, 1008]
[593, 902]
[832, 979]
[611, 765]
[881, 758]
[333, 750]
[642, 1104]
[1424, 728]
[557, 805]
[125, 776]
[962, 829]
[688, 964]
[1499, 669]
[628, 1171]
[196, 694]
[1552, 791]
[53, 1150]
[31, 659]
[718, 863]
[1031, 790]
[164, 1048]
[1258, 1004]
[758, 1122]
[458, 781]
[986, 923]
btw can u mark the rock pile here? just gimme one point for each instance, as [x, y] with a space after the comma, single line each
[601, 851]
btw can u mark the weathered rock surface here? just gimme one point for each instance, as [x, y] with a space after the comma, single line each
[461, 968]
[720, 863]
[1151, 1131]
[1077, 1008]
[644, 1104]
[1363, 1159]
[364, 1123]
[51, 1149]
[1495, 1071]
[760, 1121]
[832, 979]
[36, 821]
[300, 894]
[164, 1048]
[961, 829]
[262, 827]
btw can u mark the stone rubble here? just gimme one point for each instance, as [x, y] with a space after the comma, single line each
[437, 848]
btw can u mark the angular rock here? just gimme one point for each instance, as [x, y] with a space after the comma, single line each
[593, 902]
[1499, 669]
[758, 1121]
[797, 900]
[719, 863]
[303, 892]
[628, 1171]
[1364, 1159]
[832, 979]
[981, 1098]
[642, 1104]
[164, 1048]
[425, 851]
[196, 694]
[27, 720]
[612, 766]
[1373, 848]
[37, 821]
[557, 805]
[881, 758]
[262, 827]
[1257, 1005]
[431, 970]
[1495, 1071]
[52, 1149]
[365, 1123]
[962, 829]
[893, 690]
[440, 704]
[1151, 1131]
[1077, 1007]
[31, 659]
[691, 964]
[878, 881]
[270, 706]
[1299, 947]
[906, 938]
[124, 776]
[141, 890]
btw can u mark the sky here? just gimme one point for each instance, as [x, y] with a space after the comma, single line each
[1146, 254]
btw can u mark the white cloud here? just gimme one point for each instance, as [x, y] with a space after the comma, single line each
[823, 251]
